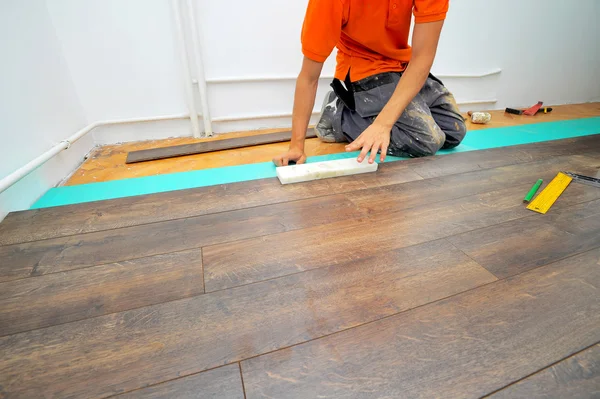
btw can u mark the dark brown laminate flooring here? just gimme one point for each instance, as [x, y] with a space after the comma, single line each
[577, 376]
[428, 278]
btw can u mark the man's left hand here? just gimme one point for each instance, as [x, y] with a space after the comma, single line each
[376, 137]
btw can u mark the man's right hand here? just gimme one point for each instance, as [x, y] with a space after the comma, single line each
[293, 154]
[304, 101]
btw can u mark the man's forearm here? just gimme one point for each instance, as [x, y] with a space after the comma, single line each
[408, 87]
[304, 102]
[425, 41]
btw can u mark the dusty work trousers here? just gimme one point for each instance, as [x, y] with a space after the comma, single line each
[431, 121]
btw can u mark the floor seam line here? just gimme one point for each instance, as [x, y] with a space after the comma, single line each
[407, 310]
[242, 378]
[498, 279]
[283, 202]
[176, 219]
[540, 370]
[424, 242]
[354, 217]
[340, 331]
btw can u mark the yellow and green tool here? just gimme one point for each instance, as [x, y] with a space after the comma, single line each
[550, 194]
[533, 190]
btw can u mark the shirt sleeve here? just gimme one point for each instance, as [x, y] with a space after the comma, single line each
[322, 28]
[430, 10]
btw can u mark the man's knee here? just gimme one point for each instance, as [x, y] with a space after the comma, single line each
[434, 144]
[418, 143]
[427, 136]
[455, 134]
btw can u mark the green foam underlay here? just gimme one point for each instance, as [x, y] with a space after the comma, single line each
[475, 140]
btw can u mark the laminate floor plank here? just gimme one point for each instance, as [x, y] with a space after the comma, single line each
[64, 297]
[520, 245]
[25, 226]
[222, 383]
[577, 376]
[503, 156]
[152, 154]
[465, 346]
[68, 253]
[411, 194]
[129, 350]
[384, 229]
[75, 219]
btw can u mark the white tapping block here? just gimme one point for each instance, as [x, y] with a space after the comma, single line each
[323, 170]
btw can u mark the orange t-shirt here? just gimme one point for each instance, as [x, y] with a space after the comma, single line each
[371, 35]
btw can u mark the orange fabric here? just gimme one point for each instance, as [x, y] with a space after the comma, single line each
[371, 35]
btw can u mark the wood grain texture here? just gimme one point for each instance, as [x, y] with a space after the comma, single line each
[152, 154]
[463, 347]
[80, 294]
[369, 276]
[394, 220]
[26, 226]
[496, 157]
[577, 376]
[520, 245]
[131, 211]
[233, 264]
[187, 336]
[68, 253]
[420, 192]
[222, 383]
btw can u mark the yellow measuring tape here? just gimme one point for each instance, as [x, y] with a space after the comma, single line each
[550, 194]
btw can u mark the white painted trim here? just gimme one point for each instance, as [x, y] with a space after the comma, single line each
[139, 120]
[31, 166]
[256, 116]
[253, 79]
[198, 60]
[461, 76]
[185, 68]
[20, 173]
[315, 112]
[275, 78]
[490, 101]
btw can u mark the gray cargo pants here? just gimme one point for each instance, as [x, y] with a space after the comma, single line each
[430, 122]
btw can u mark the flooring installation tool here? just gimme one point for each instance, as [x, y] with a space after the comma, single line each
[210, 146]
[590, 181]
[533, 190]
[323, 170]
[544, 110]
[545, 199]
[513, 111]
[533, 110]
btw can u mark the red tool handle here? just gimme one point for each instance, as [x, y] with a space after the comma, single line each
[533, 110]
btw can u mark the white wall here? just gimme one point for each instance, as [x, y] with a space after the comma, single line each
[254, 39]
[123, 59]
[38, 103]
[547, 51]
[123, 63]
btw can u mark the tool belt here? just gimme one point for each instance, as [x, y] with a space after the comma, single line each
[345, 91]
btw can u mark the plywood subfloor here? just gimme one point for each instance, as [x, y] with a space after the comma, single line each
[428, 278]
[108, 163]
